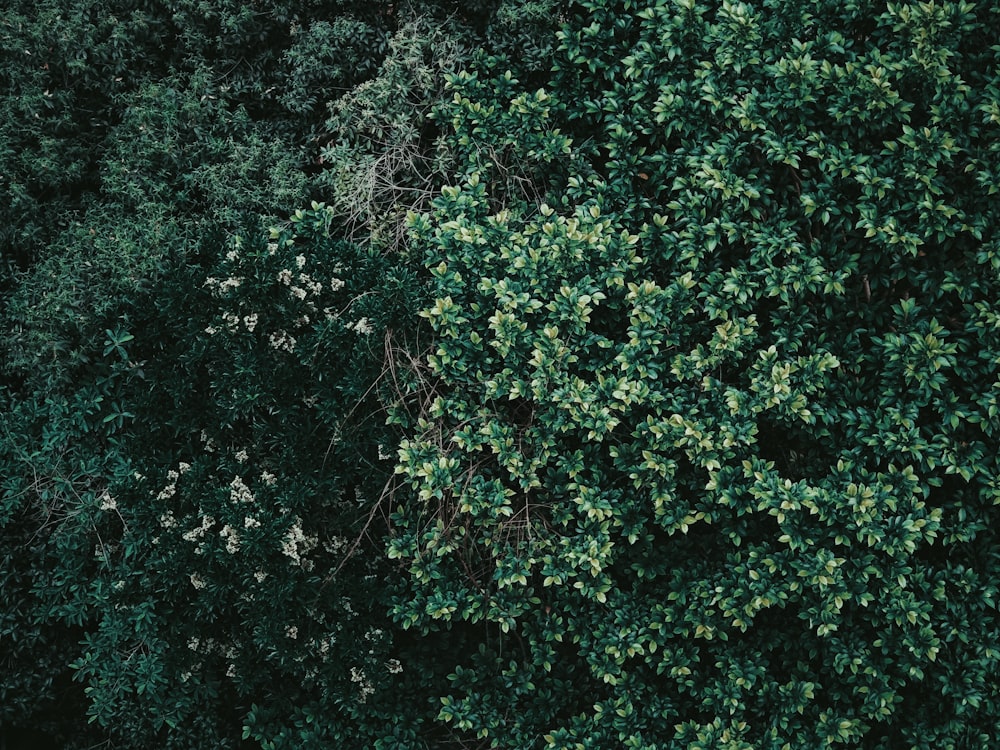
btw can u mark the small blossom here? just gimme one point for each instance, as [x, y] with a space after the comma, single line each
[300, 261]
[291, 632]
[314, 287]
[272, 248]
[285, 276]
[394, 666]
[183, 467]
[282, 341]
[260, 575]
[209, 443]
[251, 523]
[241, 456]
[336, 284]
[268, 478]
[239, 492]
[196, 533]
[295, 543]
[250, 321]
[172, 476]
[108, 502]
[232, 255]
[298, 292]
[232, 539]
[363, 327]
[197, 581]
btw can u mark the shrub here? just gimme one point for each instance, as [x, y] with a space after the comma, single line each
[711, 457]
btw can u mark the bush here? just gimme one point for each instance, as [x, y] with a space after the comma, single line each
[711, 457]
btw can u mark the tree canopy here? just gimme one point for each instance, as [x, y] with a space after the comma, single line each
[512, 374]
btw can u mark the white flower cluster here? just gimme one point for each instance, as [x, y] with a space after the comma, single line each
[362, 327]
[335, 544]
[108, 502]
[358, 676]
[394, 666]
[282, 341]
[196, 534]
[209, 443]
[218, 288]
[231, 538]
[239, 492]
[296, 544]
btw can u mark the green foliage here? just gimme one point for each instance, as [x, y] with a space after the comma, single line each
[137, 141]
[701, 451]
[712, 447]
[256, 451]
[213, 555]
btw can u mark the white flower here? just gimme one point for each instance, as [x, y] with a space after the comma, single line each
[268, 478]
[210, 330]
[285, 276]
[251, 523]
[232, 255]
[239, 492]
[298, 292]
[241, 456]
[363, 327]
[167, 520]
[314, 287]
[183, 467]
[230, 283]
[282, 341]
[232, 539]
[272, 248]
[291, 631]
[394, 666]
[296, 543]
[336, 284]
[108, 502]
[167, 492]
[250, 321]
[300, 261]
[260, 575]
[196, 581]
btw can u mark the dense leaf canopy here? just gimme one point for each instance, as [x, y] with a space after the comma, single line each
[513, 374]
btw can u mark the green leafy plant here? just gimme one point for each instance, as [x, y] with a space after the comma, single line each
[710, 451]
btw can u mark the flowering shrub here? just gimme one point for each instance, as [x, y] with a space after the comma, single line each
[241, 596]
